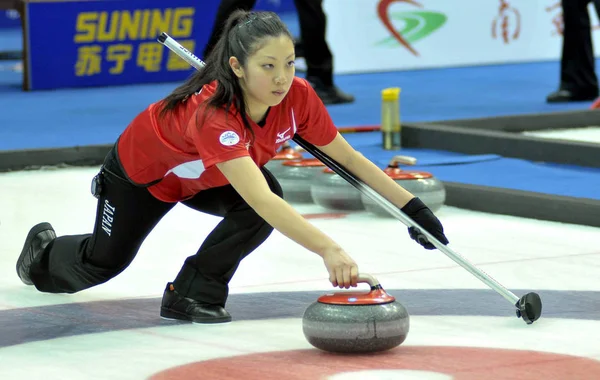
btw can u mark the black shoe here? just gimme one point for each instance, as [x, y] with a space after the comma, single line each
[329, 94]
[175, 306]
[563, 96]
[37, 240]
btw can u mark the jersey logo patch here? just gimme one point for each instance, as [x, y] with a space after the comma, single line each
[229, 138]
[284, 136]
[281, 137]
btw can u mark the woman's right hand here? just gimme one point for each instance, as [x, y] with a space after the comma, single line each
[343, 271]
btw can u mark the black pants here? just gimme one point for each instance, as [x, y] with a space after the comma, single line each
[126, 214]
[313, 22]
[578, 64]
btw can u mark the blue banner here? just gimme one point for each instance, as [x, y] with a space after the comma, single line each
[9, 19]
[112, 42]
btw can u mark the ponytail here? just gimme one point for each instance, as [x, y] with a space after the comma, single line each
[240, 38]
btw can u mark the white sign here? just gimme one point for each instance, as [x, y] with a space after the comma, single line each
[386, 35]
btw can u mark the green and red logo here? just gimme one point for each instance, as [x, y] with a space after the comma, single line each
[416, 25]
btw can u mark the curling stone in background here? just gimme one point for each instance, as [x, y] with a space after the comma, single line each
[421, 184]
[296, 177]
[286, 153]
[356, 322]
[331, 191]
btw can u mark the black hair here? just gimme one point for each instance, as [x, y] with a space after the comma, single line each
[242, 35]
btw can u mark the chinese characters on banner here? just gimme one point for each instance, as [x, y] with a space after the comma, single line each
[111, 42]
[507, 25]
[557, 20]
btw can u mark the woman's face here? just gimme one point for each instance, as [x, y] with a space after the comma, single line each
[269, 72]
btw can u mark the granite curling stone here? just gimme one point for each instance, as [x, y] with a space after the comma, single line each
[331, 191]
[421, 184]
[355, 322]
[296, 178]
[284, 154]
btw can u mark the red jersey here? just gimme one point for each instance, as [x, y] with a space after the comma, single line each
[182, 148]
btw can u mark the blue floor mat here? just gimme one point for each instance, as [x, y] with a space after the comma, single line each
[516, 174]
[370, 145]
[488, 169]
[75, 117]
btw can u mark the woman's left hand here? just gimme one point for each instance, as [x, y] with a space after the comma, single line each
[425, 218]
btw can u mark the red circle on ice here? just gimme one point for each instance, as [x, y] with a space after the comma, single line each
[462, 363]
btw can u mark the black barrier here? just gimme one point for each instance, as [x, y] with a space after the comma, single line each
[523, 204]
[13, 160]
[531, 122]
[500, 135]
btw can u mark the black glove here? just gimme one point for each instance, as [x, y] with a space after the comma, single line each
[423, 216]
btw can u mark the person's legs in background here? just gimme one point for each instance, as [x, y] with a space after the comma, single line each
[578, 79]
[319, 60]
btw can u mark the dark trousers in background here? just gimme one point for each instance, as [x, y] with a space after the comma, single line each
[578, 64]
[126, 214]
[313, 22]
